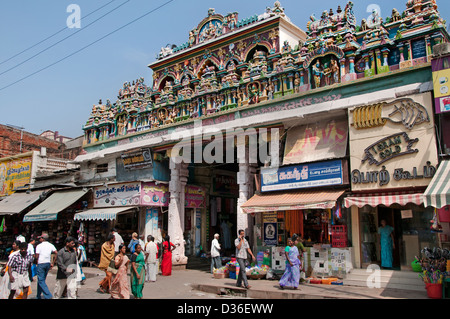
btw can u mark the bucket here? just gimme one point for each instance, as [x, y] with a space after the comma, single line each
[232, 274]
[434, 291]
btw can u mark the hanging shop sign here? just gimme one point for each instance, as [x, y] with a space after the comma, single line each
[393, 144]
[303, 176]
[316, 142]
[155, 195]
[224, 184]
[117, 195]
[270, 228]
[137, 159]
[194, 197]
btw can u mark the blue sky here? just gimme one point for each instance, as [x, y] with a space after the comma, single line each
[60, 98]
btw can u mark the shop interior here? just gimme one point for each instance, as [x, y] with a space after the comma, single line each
[412, 233]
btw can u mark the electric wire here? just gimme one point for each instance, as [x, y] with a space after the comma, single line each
[87, 46]
[54, 34]
[62, 40]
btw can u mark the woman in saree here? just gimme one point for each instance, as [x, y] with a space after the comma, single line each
[166, 264]
[120, 287]
[137, 272]
[107, 254]
[386, 233]
[291, 276]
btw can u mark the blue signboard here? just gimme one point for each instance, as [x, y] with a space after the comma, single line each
[302, 176]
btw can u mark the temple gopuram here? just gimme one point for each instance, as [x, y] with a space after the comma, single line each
[228, 64]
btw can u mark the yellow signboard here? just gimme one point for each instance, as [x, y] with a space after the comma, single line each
[441, 82]
[15, 174]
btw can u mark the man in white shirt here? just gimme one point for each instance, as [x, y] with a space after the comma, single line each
[151, 259]
[45, 256]
[242, 251]
[216, 262]
[117, 241]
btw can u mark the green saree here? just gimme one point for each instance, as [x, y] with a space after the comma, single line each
[137, 285]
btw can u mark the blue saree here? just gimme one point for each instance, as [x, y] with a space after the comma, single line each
[291, 276]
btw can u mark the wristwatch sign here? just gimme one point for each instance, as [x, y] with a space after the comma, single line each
[393, 144]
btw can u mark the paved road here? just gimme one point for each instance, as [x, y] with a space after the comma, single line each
[197, 284]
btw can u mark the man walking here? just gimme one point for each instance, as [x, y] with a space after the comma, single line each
[18, 267]
[216, 262]
[242, 248]
[45, 262]
[66, 275]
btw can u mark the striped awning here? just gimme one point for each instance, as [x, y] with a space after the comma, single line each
[101, 213]
[386, 199]
[438, 192]
[325, 199]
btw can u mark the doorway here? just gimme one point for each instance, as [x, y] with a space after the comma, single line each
[393, 218]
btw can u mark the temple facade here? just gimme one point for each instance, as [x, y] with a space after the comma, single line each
[342, 81]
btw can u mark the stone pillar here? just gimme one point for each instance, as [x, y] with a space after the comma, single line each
[245, 182]
[177, 186]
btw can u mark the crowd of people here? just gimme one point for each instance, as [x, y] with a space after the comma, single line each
[141, 260]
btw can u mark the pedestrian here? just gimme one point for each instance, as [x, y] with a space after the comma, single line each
[21, 237]
[107, 254]
[45, 256]
[81, 258]
[137, 272]
[66, 277]
[31, 252]
[301, 250]
[118, 240]
[216, 262]
[4, 282]
[120, 287]
[151, 259]
[242, 251]
[18, 267]
[141, 241]
[291, 276]
[166, 264]
[133, 242]
[387, 244]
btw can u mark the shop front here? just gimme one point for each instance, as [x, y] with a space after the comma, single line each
[55, 214]
[303, 200]
[393, 160]
[128, 207]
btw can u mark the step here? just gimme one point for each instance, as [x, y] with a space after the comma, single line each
[392, 279]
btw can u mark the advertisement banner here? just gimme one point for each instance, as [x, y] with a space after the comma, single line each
[441, 81]
[302, 176]
[270, 228]
[117, 195]
[14, 175]
[194, 197]
[316, 142]
[155, 195]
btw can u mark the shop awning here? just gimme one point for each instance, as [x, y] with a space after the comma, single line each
[17, 202]
[325, 199]
[48, 210]
[386, 199]
[101, 213]
[438, 192]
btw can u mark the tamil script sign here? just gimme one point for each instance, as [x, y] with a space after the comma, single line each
[302, 176]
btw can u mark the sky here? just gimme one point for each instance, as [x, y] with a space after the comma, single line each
[54, 83]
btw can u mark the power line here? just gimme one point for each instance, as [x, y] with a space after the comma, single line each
[87, 46]
[69, 36]
[54, 34]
